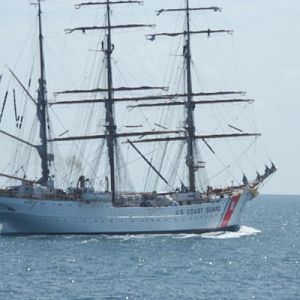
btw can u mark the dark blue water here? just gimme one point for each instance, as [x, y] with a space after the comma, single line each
[262, 261]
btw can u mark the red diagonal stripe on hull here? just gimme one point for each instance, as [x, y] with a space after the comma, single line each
[230, 210]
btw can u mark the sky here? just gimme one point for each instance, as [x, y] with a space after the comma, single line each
[264, 62]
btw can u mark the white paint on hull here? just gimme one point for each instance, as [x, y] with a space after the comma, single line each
[23, 216]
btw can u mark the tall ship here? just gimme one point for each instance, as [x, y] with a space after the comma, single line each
[94, 195]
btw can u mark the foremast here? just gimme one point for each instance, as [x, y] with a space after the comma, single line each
[189, 104]
[190, 136]
[109, 105]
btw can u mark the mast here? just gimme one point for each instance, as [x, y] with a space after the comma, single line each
[111, 128]
[189, 103]
[109, 105]
[42, 106]
[190, 127]
[189, 133]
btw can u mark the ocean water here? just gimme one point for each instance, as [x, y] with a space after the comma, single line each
[261, 261]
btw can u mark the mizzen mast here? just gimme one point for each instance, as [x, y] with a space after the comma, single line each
[41, 109]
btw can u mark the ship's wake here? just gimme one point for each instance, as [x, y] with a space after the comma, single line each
[244, 231]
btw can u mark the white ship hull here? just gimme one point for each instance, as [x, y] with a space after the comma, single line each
[23, 216]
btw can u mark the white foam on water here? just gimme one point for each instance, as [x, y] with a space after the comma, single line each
[183, 236]
[244, 231]
[92, 240]
[128, 237]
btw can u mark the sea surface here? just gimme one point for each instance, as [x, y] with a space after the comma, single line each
[261, 261]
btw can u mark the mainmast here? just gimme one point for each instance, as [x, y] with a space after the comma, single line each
[42, 105]
[190, 127]
[111, 128]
